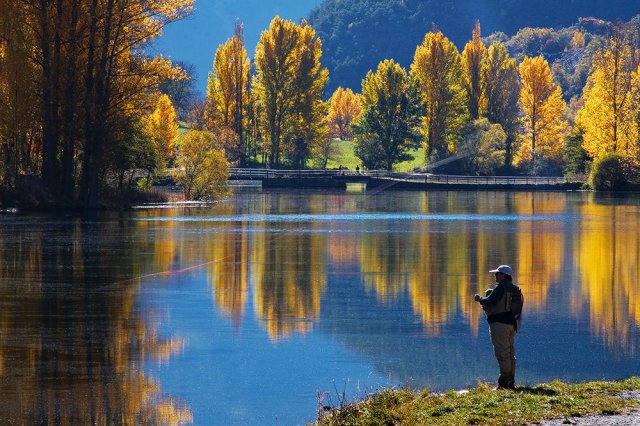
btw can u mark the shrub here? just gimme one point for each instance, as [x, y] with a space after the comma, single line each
[607, 173]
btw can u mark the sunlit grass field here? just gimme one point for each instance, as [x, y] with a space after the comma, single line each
[347, 158]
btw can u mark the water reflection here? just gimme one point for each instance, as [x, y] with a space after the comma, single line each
[388, 278]
[71, 342]
[433, 250]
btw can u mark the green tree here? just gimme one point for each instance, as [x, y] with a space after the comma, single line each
[485, 143]
[502, 89]
[437, 67]
[391, 109]
[134, 150]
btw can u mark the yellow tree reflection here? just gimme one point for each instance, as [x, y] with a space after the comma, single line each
[608, 257]
[540, 245]
[71, 342]
[289, 279]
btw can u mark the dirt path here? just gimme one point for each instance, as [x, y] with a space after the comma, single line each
[631, 418]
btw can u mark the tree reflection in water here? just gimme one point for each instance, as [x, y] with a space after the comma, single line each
[72, 345]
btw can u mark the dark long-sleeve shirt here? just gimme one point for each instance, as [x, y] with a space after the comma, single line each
[491, 300]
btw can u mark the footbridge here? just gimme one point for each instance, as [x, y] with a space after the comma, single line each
[380, 180]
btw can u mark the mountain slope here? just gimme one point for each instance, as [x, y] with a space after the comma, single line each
[358, 34]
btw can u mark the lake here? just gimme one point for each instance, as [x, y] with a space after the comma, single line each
[253, 310]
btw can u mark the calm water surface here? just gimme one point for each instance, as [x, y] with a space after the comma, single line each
[242, 313]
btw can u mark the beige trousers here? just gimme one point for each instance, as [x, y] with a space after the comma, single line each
[502, 336]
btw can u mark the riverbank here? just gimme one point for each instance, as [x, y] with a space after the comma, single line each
[562, 402]
[30, 194]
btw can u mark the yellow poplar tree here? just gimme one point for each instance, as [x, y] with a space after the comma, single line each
[605, 116]
[288, 89]
[543, 108]
[437, 67]
[344, 109]
[162, 127]
[473, 57]
[228, 88]
[310, 109]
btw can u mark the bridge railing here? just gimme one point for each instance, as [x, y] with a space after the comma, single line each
[272, 173]
[490, 180]
[246, 173]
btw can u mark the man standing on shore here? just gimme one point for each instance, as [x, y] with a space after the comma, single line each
[503, 324]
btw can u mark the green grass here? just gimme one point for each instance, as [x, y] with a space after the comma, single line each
[485, 406]
[347, 158]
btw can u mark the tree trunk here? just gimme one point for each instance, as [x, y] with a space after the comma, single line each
[87, 161]
[70, 112]
[49, 137]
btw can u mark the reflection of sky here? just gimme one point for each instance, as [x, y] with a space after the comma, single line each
[233, 375]
[230, 376]
[234, 372]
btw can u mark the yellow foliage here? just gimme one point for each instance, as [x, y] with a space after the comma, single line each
[344, 109]
[203, 169]
[227, 89]
[473, 57]
[162, 126]
[578, 40]
[609, 117]
[543, 108]
[288, 89]
[437, 66]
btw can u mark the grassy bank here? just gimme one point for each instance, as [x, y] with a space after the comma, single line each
[485, 406]
[347, 158]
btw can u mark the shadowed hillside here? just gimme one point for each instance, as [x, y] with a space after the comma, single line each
[358, 34]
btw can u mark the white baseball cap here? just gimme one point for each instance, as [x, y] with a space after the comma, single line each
[505, 269]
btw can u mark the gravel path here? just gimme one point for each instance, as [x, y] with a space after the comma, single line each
[629, 419]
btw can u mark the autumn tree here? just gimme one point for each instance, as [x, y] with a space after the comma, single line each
[437, 66]
[473, 56]
[288, 88]
[391, 110]
[607, 117]
[344, 109]
[203, 170]
[543, 108]
[228, 89]
[501, 93]
[19, 100]
[310, 109]
[90, 75]
[325, 150]
[485, 143]
[162, 127]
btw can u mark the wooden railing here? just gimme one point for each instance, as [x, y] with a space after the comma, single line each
[245, 173]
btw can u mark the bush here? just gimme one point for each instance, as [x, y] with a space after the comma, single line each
[607, 173]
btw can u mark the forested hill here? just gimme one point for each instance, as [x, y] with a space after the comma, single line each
[358, 34]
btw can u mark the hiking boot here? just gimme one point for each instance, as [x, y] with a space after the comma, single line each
[506, 382]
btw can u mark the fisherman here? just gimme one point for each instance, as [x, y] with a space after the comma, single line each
[503, 323]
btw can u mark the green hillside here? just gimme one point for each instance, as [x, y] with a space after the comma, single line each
[358, 34]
